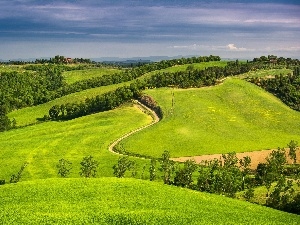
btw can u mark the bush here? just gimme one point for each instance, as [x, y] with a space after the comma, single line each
[88, 167]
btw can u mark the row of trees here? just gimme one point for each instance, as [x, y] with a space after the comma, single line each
[43, 83]
[20, 90]
[229, 175]
[88, 167]
[286, 88]
[113, 99]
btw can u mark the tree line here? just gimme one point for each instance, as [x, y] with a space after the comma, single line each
[286, 88]
[229, 176]
[182, 79]
[43, 83]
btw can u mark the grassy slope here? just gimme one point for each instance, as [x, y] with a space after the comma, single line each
[77, 75]
[30, 115]
[266, 73]
[199, 66]
[44, 144]
[125, 201]
[235, 116]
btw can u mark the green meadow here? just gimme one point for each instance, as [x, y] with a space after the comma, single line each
[234, 116]
[42, 145]
[125, 201]
[78, 75]
[34, 114]
[265, 73]
[177, 68]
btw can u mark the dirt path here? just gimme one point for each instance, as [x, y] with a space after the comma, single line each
[256, 157]
[144, 109]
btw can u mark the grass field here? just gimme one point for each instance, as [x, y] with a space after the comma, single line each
[266, 73]
[32, 115]
[234, 116]
[199, 66]
[44, 144]
[125, 201]
[77, 75]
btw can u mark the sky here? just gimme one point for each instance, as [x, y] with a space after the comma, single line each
[134, 28]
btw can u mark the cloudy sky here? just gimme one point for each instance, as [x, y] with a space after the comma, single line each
[134, 28]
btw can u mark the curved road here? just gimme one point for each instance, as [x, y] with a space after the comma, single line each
[154, 121]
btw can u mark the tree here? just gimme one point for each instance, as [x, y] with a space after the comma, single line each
[184, 177]
[5, 123]
[123, 165]
[267, 173]
[282, 194]
[54, 112]
[244, 167]
[64, 167]
[16, 177]
[88, 167]
[167, 167]
[292, 150]
[152, 170]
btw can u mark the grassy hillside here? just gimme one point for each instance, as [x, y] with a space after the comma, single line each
[199, 66]
[77, 75]
[31, 115]
[125, 201]
[234, 116]
[44, 144]
[266, 73]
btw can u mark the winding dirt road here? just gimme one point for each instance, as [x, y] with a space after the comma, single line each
[144, 109]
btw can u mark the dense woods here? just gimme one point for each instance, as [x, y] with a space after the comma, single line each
[286, 88]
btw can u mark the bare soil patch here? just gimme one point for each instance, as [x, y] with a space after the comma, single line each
[256, 157]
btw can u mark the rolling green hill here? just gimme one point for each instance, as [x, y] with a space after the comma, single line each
[234, 116]
[32, 115]
[125, 201]
[44, 144]
[77, 75]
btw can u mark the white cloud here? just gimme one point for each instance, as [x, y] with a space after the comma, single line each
[232, 47]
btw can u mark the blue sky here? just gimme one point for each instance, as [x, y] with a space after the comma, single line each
[133, 28]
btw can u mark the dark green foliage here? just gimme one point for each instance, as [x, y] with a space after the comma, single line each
[20, 90]
[184, 176]
[152, 170]
[224, 179]
[88, 167]
[245, 168]
[5, 123]
[123, 165]
[2, 182]
[167, 167]
[293, 147]
[249, 194]
[54, 112]
[64, 167]
[286, 88]
[294, 205]
[282, 194]
[267, 173]
[16, 177]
